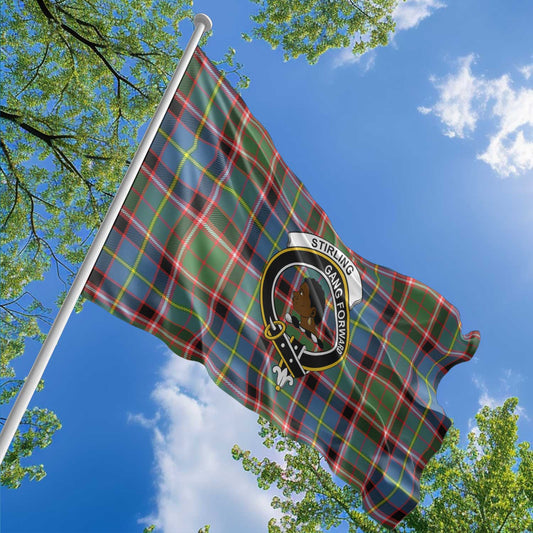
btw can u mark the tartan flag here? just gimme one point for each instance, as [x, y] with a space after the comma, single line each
[220, 251]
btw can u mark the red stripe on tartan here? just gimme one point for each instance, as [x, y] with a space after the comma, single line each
[253, 158]
[411, 282]
[239, 149]
[123, 215]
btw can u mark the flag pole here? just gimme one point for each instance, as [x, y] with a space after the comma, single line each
[202, 23]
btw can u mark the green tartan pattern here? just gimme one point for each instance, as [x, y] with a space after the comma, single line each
[211, 205]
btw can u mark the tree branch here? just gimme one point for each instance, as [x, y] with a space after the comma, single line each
[17, 119]
[359, 9]
[36, 69]
[95, 47]
[18, 182]
[505, 519]
[51, 141]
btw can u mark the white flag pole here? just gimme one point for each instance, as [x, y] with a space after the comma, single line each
[202, 23]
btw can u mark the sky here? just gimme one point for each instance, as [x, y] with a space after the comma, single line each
[421, 153]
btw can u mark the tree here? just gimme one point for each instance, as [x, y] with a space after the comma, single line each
[484, 487]
[38, 425]
[79, 79]
[311, 27]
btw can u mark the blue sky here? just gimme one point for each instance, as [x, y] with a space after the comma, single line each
[422, 155]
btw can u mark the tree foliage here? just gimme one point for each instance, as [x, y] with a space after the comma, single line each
[311, 27]
[37, 427]
[485, 487]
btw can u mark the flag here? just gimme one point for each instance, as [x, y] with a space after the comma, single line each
[221, 252]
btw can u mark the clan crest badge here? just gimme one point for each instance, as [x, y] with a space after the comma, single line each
[307, 291]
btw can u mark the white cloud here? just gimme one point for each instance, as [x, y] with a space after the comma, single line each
[508, 386]
[143, 421]
[410, 13]
[485, 399]
[407, 14]
[424, 110]
[197, 480]
[527, 71]
[509, 152]
[465, 99]
[345, 57]
[458, 93]
[511, 155]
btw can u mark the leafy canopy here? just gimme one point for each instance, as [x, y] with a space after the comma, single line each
[312, 27]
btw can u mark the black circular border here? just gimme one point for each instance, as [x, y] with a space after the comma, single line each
[311, 361]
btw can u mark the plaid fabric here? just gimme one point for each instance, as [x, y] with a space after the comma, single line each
[211, 205]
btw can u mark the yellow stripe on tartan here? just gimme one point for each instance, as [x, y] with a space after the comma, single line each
[221, 184]
[169, 191]
[153, 288]
[384, 341]
[448, 352]
[384, 499]
[356, 323]
[397, 483]
[186, 309]
[391, 346]
[253, 300]
[327, 407]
